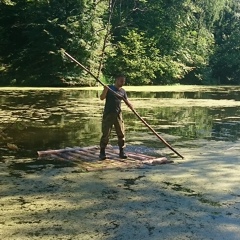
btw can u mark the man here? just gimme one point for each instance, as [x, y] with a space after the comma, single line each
[112, 116]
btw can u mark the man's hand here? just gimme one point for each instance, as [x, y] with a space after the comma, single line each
[104, 93]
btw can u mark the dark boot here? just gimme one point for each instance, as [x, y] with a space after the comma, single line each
[102, 154]
[122, 154]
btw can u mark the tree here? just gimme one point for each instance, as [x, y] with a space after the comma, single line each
[153, 42]
[180, 31]
[225, 62]
[35, 31]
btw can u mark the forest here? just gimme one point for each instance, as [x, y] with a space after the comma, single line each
[152, 42]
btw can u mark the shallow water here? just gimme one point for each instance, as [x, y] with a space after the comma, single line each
[51, 119]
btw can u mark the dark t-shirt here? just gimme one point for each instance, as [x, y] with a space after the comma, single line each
[113, 103]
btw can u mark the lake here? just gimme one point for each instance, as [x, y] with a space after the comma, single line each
[39, 119]
[194, 198]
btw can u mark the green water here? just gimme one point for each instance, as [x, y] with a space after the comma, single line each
[52, 119]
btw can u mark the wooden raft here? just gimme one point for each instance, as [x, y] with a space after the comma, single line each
[88, 158]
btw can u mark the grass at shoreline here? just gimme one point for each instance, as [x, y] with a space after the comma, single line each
[177, 88]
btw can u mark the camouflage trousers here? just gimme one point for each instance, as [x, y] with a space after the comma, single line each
[108, 121]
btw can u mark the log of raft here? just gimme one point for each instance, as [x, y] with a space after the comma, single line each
[88, 156]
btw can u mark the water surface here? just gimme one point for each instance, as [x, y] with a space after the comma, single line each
[58, 118]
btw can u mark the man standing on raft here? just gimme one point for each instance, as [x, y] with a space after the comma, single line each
[112, 116]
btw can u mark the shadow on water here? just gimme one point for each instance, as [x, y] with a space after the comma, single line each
[40, 164]
[191, 193]
[130, 182]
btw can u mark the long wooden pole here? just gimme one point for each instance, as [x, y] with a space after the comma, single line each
[126, 102]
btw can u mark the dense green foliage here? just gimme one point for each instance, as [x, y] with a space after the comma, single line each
[151, 41]
[226, 60]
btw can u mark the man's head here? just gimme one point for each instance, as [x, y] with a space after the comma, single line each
[120, 80]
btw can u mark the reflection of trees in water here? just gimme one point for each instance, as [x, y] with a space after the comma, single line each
[156, 95]
[31, 97]
[50, 118]
[227, 124]
[190, 122]
[226, 131]
[210, 94]
[61, 118]
[42, 98]
[86, 133]
[79, 94]
[37, 136]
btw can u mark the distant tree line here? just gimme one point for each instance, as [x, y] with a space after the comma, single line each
[151, 41]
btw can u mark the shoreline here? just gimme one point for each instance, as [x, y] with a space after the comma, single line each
[158, 88]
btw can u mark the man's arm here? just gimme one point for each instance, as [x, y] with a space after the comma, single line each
[104, 93]
[127, 101]
[129, 104]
